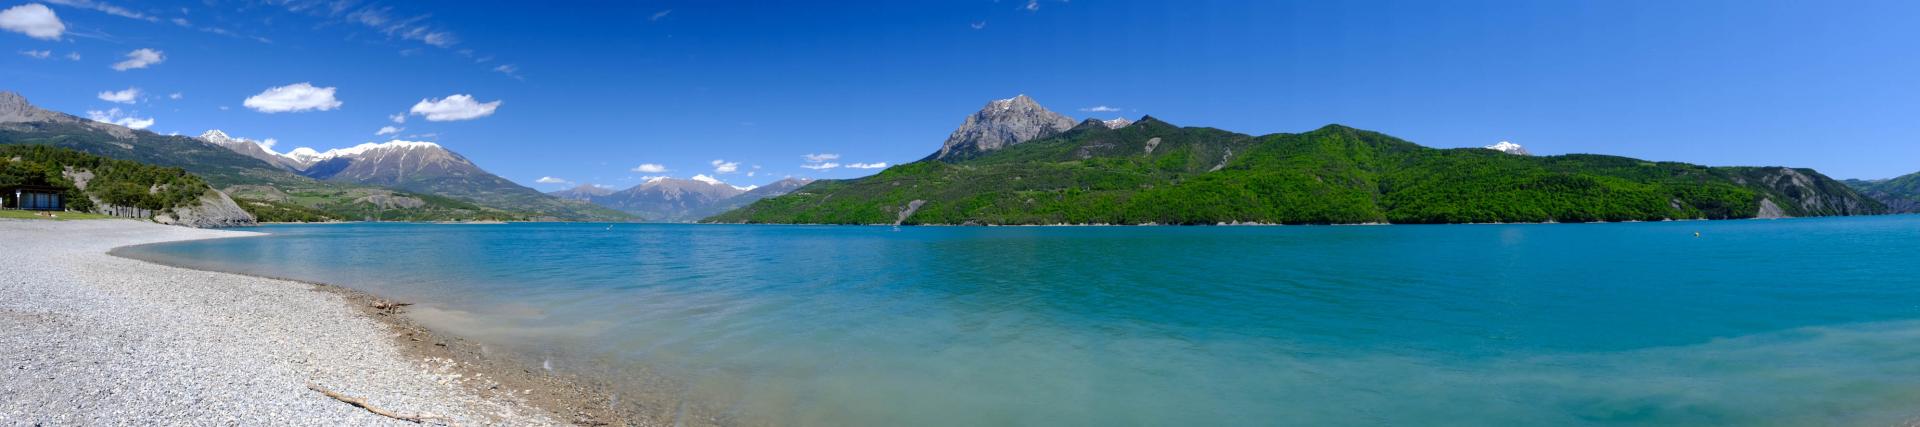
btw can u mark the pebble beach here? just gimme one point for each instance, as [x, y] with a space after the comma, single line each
[88, 338]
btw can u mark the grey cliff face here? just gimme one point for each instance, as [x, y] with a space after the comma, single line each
[1002, 123]
[1806, 192]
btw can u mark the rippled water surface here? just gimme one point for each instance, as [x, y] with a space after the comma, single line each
[1789, 322]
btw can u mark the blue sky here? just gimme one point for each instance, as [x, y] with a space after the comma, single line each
[597, 89]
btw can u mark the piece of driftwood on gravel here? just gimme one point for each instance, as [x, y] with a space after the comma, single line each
[362, 403]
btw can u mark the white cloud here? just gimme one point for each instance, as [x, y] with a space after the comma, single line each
[821, 166]
[551, 180]
[723, 166]
[140, 58]
[454, 108]
[293, 98]
[978, 25]
[1032, 5]
[880, 165]
[107, 8]
[1100, 109]
[115, 116]
[128, 96]
[650, 168]
[176, 96]
[659, 15]
[817, 158]
[33, 19]
[388, 130]
[74, 56]
[398, 118]
[37, 54]
[182, 22]
[707, 179]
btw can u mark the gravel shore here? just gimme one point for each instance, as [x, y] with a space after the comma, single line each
[87, 338]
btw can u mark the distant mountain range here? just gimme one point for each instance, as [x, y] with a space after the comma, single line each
[392, 181]
[1015, 162]
[664, 199]
[1901, 195]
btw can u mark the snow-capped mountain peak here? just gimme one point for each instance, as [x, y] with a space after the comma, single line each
[1509, 148]
[708, 179]
[746, 188]
[1116, 123]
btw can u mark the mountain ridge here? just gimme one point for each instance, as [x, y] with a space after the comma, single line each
[1153, 172]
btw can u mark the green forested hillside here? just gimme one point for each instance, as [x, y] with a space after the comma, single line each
[114, 182]
[1154, 172]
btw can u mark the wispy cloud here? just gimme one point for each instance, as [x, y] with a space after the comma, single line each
[880, 165]
[551, 180]
[650, 168]
[106, 8]
[454, 108]
[37, 54]
[127, 96]
[115, 116]
[33, 19]
[140, 58]
[723, 166]
[510, 70]
[817, 158]
[388, 130]
[660, 15]
[176, 96]
[820, 166]
[398, 118]
[1100, 109]
[1032, 5]
[293, 98]
[978, 25]
[413, 28]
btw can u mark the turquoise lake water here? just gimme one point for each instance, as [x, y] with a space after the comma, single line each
[1787, 322]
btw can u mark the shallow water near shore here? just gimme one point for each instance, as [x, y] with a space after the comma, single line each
[1788, 322]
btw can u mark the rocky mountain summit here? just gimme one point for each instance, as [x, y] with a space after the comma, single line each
[584, 192]
[663, 199]
[1000, 124]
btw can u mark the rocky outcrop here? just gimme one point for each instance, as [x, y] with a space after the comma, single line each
[1769, 210]
[1804, 192]
[1000, 124]
[913, 206]
[214, 210]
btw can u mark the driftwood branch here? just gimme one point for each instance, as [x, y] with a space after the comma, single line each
[362, 404]
[390, 307]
